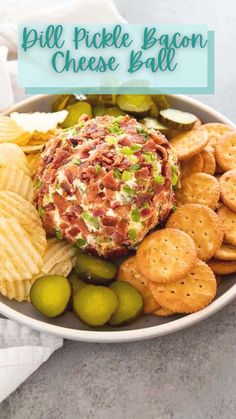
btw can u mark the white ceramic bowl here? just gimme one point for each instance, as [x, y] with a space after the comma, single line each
[146, 327]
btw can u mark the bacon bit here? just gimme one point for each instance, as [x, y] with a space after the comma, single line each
[64, 226]
[161, 152]
[123, 210]
[49, 175]
[71, 173]
[109, 221]
[85, 117]
[98, 212]
[122, 228]
[109, 230]
[115, 205]
[49, 207]
[150, 145]
[145, 212]
[125, 141]
[67, 188]
[84, 152]
[141, 199]
[110, 182]
[60, 202]
[74, 231]
[158, 137]
[118, 238]
[142, 173]
[60, 156]
[82, 226]
[92, 194]
[48, 223]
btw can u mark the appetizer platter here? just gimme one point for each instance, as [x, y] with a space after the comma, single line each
[117, 215]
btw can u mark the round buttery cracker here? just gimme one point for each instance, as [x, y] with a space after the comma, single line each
[202, 224]
[228, 189]
[222, 267]
[190, 143]
[130, 273]
[191, 293]
[166, 255]
[215, 131]
[199, 188]
[226, 252]
[163, 312]
[192, 165]
[209, 162]
[225, 151]
[228, 220]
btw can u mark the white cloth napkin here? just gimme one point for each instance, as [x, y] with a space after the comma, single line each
[22, 350]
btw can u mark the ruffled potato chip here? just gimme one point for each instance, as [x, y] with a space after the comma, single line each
[10, 132]
[12, 155]
[39, 122]
[16, 181]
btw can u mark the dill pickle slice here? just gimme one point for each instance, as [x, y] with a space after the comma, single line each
[75, 282]
[50, 294]
[94, 270]
[94, 100]
[114, 111]
[75, 111]
[130, 303]
[108, 100]
[59, 102]
[99, 110]
[153, 110]
[176, 119]
[94, 305]
[161, 102]
[153, 123]
[134, 104]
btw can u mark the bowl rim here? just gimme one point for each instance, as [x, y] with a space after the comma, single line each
[124, 335]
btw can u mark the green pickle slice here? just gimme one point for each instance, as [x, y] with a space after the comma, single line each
[114, 111]
[94, 305]
[75, 111]
[153, 123]
[94, 270]
[160, 101]
[130, 303]
[177, 120]
[50, 294]
[59, 102]
[99, 110]
[135, 104]
[75, 282]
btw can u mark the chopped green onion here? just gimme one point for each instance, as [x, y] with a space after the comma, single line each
[93, 221]
[111, 140]
[175, 176]
[98, 168]
[80, 242]
[58, 233]
[117, 174]
[76, 161]
[126, 175]
[134, 167]
[135, 215]
[149, 157]
[127, 151]
[37, 183]
[133, 159]
[132, 234]
[46, 199]
[41, 211]
[128, 190]
[159, 179]
[136, 147]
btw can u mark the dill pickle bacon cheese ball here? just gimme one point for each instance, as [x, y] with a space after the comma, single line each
[104, 183]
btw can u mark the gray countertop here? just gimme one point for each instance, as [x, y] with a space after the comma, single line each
[187, 375]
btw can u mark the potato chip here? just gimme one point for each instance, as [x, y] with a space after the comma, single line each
[19, 257]
[10, 132]
[209, 162]
[192, 165]
[61, 268]
[226, 252]
[16, 181]
[228, 219]
[190, 143]
[28, 149]
[191, 293]
[225, 151]
[33, 162]
[130, 273]
[166, 255]
[222, 267]
[17, 290]
[199, 188]
[41, 122]
[202, 224]
[12, 155]
[228, 189]
[13, 205]
[57, 251]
